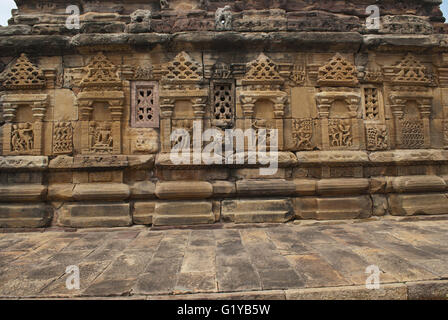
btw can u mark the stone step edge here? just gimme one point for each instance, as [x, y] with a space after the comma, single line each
[412, 290]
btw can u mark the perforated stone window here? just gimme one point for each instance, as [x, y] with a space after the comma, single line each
[372, 104]
[145, 104]
[223, 104]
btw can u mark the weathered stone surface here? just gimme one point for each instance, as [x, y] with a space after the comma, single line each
[94, 215]
[425, 183]
[223, 189]
[23, 162]
[60, 192]
[342, 186]
[268, 187]
[183, 212]
[184, 190]
[417, 204]
[333, 208]
[405, 156]
[143, 190]
[143, 212]
[358, 113]
[25, 215]
[19, 192]
[312, 157]
[259, 210]
[101, 191]
[305, 187]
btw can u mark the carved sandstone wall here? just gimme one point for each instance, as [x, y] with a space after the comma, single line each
[87, 114]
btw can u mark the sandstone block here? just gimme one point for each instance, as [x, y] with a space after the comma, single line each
[23, 162]
[333, 208]
[184, 190]
[319, 157]
[143, 190]
[223, 189]
[418, 204]
[143, 212]
[305, 187]
[25, 215]
[101, 191]
[424, 183]
[60, 192]
[82, 215]
[183, 213]
[257, 210]
[342, 186]
[380, 205]
[22, 192]
[269, 187]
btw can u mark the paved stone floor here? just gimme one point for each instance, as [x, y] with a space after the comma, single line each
[293, 261]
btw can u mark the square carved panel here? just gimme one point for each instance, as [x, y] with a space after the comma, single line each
[145, 104]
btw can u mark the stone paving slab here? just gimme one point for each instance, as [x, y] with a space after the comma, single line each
[285, 261]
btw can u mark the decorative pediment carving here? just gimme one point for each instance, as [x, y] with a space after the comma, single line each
[183, 68]
[262, 69]
[338, 72]
[24, 75]
[410, 71]
[100, 73]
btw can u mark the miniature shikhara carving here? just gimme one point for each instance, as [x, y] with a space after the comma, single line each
[100, 73]
[63, 138]
[183, 67]
[338, 72]
[24, 75]
[262, 69]
[411, 71]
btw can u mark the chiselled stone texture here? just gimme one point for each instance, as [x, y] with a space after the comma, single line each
[350, 122]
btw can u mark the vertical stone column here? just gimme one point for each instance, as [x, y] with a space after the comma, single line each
[38, 110]
[116, 110]
[425, 112]
[279, 114]
[166, 108]
[199, 113]
[248, 106]
[85, 111]
[9, 113]
[324, 106]
[398, 113]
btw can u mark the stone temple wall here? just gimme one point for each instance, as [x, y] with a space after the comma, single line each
[87, 113]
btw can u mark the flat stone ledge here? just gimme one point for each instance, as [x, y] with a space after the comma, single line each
[23, 163]
[332, 157]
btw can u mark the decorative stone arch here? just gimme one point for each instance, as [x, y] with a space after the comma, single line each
[262, 81]
[182, 80]
[25, 84]
[421, 135]
[100, 83]
[410, 81]
[339, 82]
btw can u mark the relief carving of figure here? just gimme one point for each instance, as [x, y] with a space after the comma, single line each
[22, 137]
[101, 138]
[302, 133]
[340, 134]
